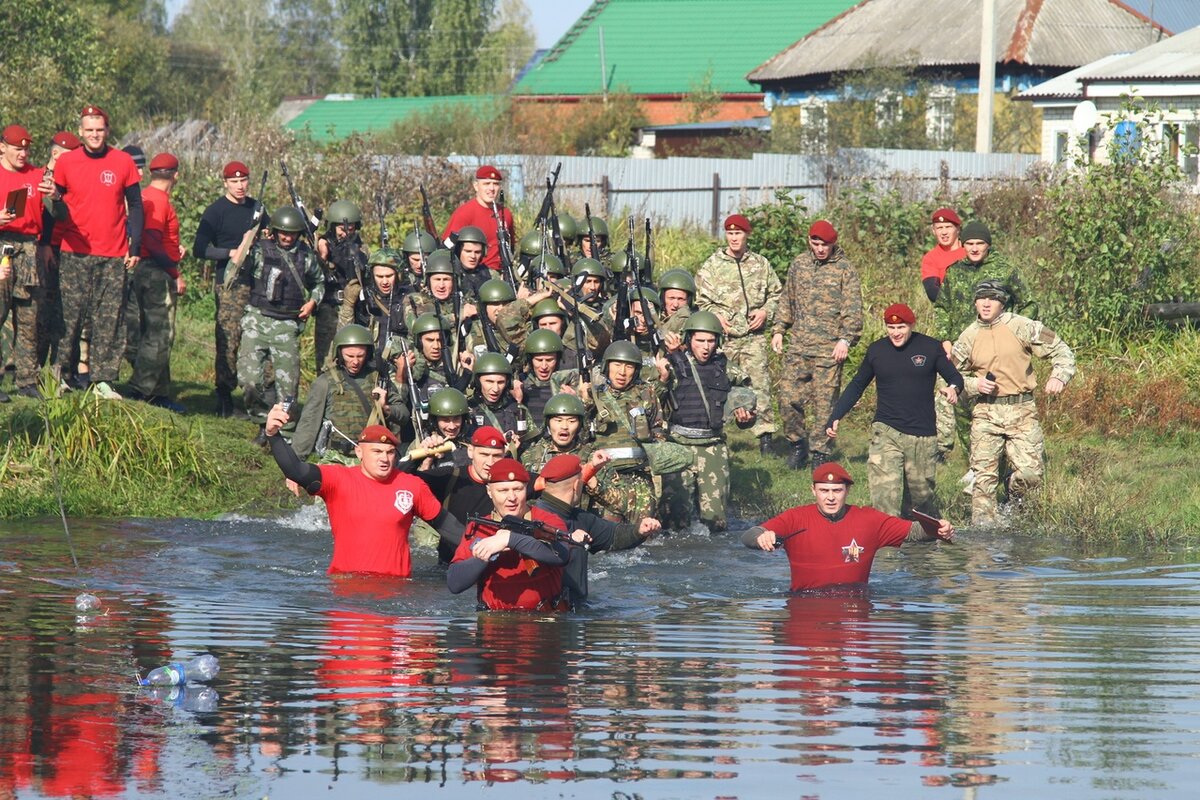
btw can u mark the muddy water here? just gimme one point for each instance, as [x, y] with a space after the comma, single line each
[1002, 666]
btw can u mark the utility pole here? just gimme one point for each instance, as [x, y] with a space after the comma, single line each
[603, 68]
[987, 78]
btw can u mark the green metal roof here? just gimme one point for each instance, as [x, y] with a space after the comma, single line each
[329, 119]
[669, 46]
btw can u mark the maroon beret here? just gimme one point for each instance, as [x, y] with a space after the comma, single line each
[235, 169]
[377, 434]
[17, 136]
[561, 467]
[946, 215]
[898, 313]
[66, 140]
[487, 436]
[508, 469]
[94, 111]
[738, 222]
[164, 161]
[824, 231]
[488, 173]
[832, 472]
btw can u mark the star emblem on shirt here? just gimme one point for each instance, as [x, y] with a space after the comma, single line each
[852, 551]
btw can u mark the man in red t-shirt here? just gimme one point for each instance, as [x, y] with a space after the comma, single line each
[157, 286]
[371, 505]
[101, 242]
[23, 222]
[511, 570]
[478, 212]
[830, 543]
[948, 249]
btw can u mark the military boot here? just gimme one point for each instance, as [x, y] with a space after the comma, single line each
[819, 458]
[798, 458]
[764, 444]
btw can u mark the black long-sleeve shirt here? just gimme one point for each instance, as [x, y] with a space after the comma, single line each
[904, 378]
[221, 229]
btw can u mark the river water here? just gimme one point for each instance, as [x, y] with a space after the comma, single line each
[1001, 666]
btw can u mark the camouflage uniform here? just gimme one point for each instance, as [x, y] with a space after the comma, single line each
[331, 398]
[271, 333]
[154, 303]
[22, 297]
[732, 289]
[1006, 424]
[675, 322]
[543, 449]
[93, 296]
[507, 416]
[821, 303]
[231, 302]
[897, 461]
[625, 490]
[953, 311]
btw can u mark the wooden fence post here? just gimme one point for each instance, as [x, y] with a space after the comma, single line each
[605, 196]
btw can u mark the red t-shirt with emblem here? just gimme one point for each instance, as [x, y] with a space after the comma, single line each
[471, 213]
[513, 581]
[29, 223]
[370, 519]
[935, 262]
[828, 553]
[95, 197]
[161, 225]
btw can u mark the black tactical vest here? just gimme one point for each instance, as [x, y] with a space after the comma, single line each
[689, 401]
[276, 292]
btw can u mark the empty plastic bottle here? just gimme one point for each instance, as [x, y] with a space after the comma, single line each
[85, 602]
[199, 670]
[203, 699]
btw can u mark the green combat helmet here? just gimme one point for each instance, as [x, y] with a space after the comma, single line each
[599, 227]
[588, 266]
[428, 323]
[491, 364]
[353, 336]
[648, 294]
[288, 219]
[547, 308]
[343, 212]
[471, 234]
[548, 263]
[384, 257]
[439, 263]
[679, 279]
[448, 403]
[620, 261]
[623, 351]
[704, 322]
[564, 405]
[567, 227]
[419, 242]
[543, 342]
[531, 244]
[496, 291]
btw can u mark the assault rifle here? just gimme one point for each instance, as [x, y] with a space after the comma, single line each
[547, 208]
[248, 238]
[418, 414]
[448, 365]
[624, 323]
[539, 530]
[311, 221]
[648, 311]
[560, 246]
[506, 253]
[427, 218]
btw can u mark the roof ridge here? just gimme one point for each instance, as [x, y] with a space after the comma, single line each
[807, 36]
[1131, 10]
[575, 31]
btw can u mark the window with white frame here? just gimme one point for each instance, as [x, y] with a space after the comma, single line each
[889, 108]
[939, 116]
[814, 123]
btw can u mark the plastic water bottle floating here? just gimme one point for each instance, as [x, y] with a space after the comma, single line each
[85, 602]
[200, 669]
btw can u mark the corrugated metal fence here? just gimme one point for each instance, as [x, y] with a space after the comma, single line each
[702, 191]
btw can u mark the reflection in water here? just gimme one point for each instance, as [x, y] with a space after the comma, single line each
[1037, 673]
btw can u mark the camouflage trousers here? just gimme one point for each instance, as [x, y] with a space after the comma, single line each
[625, 496]
[898, 461]
[22, 302]
[267, 341]
[93, 300]
[808, 388]
[952, 420]
[704, 485]
[747, 356]
[231, 307]
[999, 432]
[326, 323]
[154, 303]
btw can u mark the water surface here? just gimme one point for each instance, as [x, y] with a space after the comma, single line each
[1002, 666]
